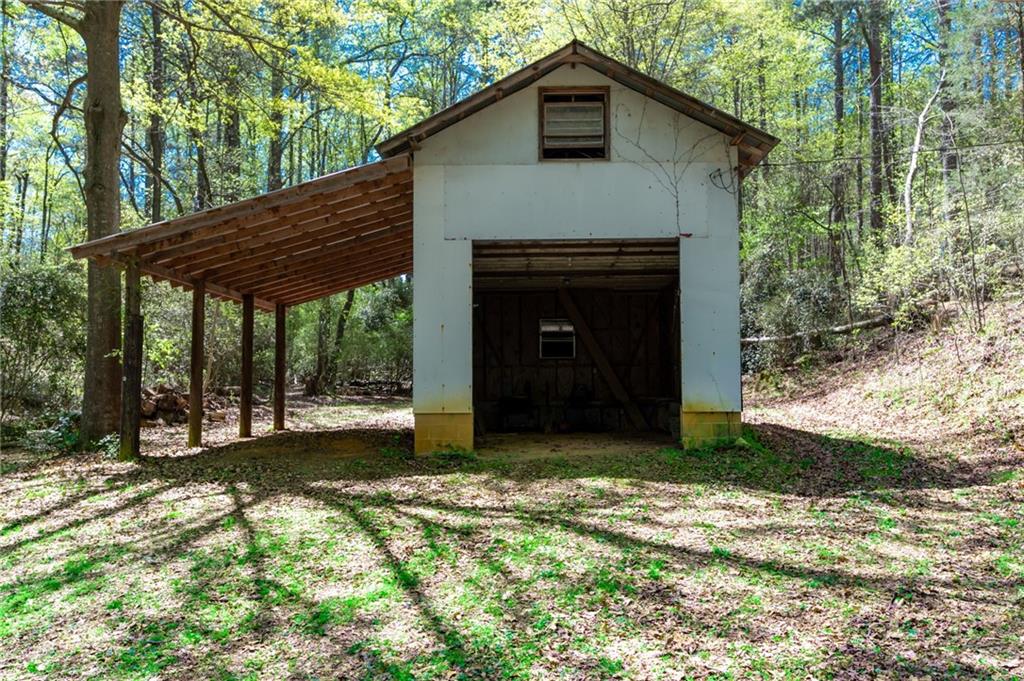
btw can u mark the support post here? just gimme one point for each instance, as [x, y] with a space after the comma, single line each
[279, 365]
[131, 378]
[245, 403]
[195, 388]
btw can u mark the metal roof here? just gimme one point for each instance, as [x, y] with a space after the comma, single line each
[753, 144]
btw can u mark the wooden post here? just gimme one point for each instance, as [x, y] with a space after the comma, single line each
[131, 377]
[195, 388]
[279, 366]
[245, 403]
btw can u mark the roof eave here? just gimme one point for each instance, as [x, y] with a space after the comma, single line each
[754, 144]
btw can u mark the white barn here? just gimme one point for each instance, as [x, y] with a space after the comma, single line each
[573, 235]
[573, 154]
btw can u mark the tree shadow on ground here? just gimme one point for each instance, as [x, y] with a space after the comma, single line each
[769, 457]
[304, 464]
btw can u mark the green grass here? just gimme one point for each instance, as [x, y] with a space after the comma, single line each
[709, 563]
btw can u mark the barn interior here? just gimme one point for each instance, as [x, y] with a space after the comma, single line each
[576, 336]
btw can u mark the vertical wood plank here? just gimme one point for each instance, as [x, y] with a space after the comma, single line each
[601, 359]
[279, 365]
[131, 378]
[245, 402]
[195, 387]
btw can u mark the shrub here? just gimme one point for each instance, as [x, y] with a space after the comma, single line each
[42, 334]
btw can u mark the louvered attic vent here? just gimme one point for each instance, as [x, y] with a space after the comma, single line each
[574, 123]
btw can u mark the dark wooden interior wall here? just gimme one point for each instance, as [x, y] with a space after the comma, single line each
[514, 389]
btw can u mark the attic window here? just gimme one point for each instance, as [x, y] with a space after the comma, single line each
[557, 339]
[574, 123]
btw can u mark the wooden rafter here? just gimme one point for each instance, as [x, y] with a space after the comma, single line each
[271, 225]
[280, 288]
[321, 237]
[283, 289]
[295, 298]
[233, 265]
[281, 228]
[323, 257]
[269, 201]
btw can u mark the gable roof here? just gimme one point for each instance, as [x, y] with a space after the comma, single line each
[753, 144]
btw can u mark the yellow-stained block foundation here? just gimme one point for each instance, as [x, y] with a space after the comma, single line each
[441, 431]
[700, 428]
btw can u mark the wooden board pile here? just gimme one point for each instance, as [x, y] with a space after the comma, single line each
[169, 405]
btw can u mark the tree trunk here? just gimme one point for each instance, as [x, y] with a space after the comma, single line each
[888, 127]
[908, 187]
[339, 335]
[203, 197]
[44, 223]
[873, 323]
[233, 135]
[838, 213]
[104, 123]
[21, 190]
[5, 68]
[871, 29]
[1019, 11]
[155, 133]
[947, 105]
[275, 150]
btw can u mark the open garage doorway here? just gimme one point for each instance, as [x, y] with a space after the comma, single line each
[576, 336]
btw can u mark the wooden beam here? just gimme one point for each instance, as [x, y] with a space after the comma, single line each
[131, 378]
[282, 197]
[282, 231]
[273, 219]
[318, 289]
[215, 263]
[342, 283]
[330, 288]
[273, 280]
[328, 267]
[195, 385]
[245, 401]
[279, 365]
[600, 359]
[362, 246]
[233, 273]
[177, 280]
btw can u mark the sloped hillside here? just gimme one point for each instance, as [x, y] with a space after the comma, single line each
[954, 397]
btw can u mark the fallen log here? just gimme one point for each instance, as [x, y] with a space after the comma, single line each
[873, 323]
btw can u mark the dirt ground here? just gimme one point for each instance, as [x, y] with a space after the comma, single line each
[870, 524]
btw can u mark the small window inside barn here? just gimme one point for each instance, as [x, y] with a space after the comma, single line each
[557, 339]
[574, 124]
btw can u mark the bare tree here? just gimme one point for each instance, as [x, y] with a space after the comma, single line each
[908, 187]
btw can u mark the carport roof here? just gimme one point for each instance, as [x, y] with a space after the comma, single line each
[290, 246]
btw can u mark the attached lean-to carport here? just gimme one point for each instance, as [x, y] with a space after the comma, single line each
[272, 251]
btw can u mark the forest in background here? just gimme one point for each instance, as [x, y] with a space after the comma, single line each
[897, 191]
